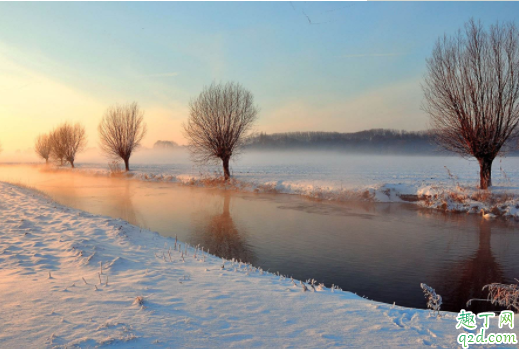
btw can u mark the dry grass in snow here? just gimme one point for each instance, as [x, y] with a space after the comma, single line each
[71, 279]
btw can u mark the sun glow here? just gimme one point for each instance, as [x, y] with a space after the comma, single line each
[33, 103]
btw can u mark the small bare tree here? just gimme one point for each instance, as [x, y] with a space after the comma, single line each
[43, 147]
[121, 131]
[472, 92]
[219, 119]
[57, 146]
[66, 141]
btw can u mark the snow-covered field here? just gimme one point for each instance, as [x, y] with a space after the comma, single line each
[72, 279]
[443, 182]
[447, 182]
[328, 170]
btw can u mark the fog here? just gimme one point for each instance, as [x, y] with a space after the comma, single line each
[143, 156]
[181, 156]
[302, 167]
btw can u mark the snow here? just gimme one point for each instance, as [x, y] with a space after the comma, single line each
[72, 279]
[447, 183]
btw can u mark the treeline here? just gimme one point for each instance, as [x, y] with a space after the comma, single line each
[120, 132]
[375, 141]
[165, 145]
[62, 143]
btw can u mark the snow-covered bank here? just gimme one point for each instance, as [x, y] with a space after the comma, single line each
[442, 182]
[53, 294]
[497, 201]
[446, 183]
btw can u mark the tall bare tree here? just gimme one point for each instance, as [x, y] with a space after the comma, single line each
[43, 147]
[67, 140]
[121, 131]
[472, 92]
[219, 119]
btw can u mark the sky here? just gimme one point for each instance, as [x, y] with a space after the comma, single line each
[311, 66]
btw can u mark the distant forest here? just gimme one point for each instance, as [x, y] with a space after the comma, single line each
[375, 141]
[165, 145]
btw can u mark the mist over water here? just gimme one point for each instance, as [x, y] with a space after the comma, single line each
[333, 169]
[382, 251]
[93, 155]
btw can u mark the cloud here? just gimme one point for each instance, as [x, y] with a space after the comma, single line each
[373, 55]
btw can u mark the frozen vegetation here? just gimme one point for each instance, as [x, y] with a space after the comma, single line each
[72, 279]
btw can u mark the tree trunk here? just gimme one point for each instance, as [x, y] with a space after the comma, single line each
[226, 172]
[485, 172]
[72, 163]
[46, 161]
[127, 164]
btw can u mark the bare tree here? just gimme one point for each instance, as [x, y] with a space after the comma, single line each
[57, 146]
[43, 147]
[219, 119]
[121, 131]
[67, 140]
[472, 92]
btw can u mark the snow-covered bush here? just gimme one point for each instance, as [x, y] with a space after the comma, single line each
[434, 301]
[503, 295]
[115, 168]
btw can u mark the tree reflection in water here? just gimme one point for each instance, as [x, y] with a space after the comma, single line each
[470, 275]
[219, 234]
[123, 202]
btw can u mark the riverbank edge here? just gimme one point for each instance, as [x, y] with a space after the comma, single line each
[157, 252]
[490, 204]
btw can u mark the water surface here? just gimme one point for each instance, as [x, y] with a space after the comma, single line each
[379, 250]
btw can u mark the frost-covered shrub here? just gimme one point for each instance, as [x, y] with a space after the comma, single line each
[434, 301]
[503, 295]
[139, 300]
[115, 168]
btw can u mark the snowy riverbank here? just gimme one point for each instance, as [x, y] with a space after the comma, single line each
[445, 183]
[53, 296]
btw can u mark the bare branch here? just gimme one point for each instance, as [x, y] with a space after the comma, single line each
[472, 92]
[121, 131]
[43, 147]
[219, 119]
[66, 141]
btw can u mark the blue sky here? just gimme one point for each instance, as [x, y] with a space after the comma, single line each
[332, 66]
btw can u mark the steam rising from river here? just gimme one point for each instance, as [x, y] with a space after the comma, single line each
[325, 169]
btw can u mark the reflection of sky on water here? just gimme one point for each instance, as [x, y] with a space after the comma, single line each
[382, 251]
